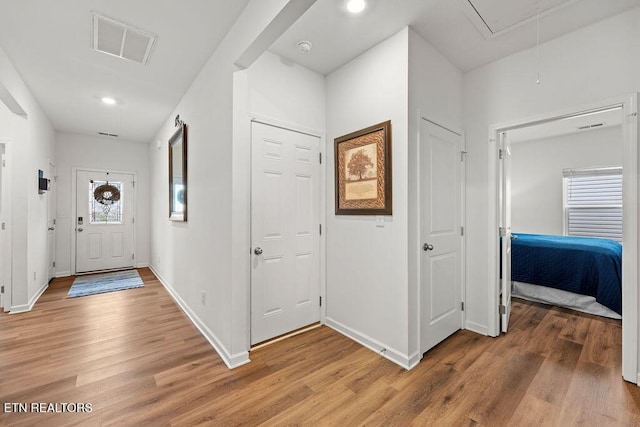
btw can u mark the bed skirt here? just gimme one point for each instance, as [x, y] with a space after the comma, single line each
[559, 297]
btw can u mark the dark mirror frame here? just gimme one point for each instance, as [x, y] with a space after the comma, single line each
[178, 139]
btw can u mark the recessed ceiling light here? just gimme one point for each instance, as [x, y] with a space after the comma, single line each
[109, 101]
[356, 6]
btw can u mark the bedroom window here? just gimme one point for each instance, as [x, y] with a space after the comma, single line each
[593, 202]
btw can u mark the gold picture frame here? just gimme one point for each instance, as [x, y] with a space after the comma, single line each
[363, 171]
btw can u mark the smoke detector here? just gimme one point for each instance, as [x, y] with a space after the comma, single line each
[304, 46]
[119, 39]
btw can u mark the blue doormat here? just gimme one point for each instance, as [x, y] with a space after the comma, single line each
[105, 282]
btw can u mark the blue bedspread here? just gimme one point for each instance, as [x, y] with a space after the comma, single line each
[587, 266]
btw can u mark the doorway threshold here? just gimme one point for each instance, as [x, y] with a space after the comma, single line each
[110, 270]
[285, 336]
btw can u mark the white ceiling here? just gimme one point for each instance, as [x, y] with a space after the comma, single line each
[338, 37]
[500, 16]
[449, 30]
[49, 44]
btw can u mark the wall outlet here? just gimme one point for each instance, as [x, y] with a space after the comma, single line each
[203, 297]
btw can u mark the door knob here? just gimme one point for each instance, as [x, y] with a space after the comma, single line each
[257, 251]
[427, 247]
[80, 229]
[50, 228]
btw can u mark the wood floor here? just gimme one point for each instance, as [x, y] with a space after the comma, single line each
[138, 360]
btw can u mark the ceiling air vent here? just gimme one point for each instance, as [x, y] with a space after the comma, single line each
[595, 125]
[112, 135]
[118, 39]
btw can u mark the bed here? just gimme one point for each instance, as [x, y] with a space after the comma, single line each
[576, 272]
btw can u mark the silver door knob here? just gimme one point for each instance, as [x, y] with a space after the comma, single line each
[80, 229]
[50, 228]
[257, 251]
[427, 247]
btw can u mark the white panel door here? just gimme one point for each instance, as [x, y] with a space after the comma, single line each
[5, 237]
[51, 223]
[505, 231]
[104, 225]
[440, 232]
[285, 195]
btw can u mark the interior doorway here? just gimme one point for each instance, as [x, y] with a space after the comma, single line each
[5, 230]
[441, 171]
[501, 225]
[285, 231]
[51, 223]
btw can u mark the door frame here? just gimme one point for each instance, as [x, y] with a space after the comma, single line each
[74, 211]
[52, 197]
[463, 197]
[269, 121]
[6, 269]
[630, 303]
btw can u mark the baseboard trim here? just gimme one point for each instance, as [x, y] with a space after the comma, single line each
[231, 360]
[406, 361]
[29, 306]
[476, 327]
[63, 274]
[142, 265]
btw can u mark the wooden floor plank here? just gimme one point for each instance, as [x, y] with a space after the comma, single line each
[138, 360]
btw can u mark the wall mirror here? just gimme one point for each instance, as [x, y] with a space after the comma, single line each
[178, 174]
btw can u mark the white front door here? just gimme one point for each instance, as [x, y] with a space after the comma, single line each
[505, 231]
[51, 223]
[104, 221]
[440, 231]
[285, 196]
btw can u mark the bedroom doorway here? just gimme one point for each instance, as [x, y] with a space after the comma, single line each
[624, 111]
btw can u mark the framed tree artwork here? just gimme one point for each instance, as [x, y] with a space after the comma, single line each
[363, 171]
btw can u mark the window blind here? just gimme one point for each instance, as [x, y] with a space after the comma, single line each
[593, 203]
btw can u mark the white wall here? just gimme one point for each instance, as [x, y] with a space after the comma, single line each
[367, 266]
[199, 255]
[583, 67]
[372, 272]
[280, 92]
[536, 175]
[435, 93]
[32, 146]
[100, 153]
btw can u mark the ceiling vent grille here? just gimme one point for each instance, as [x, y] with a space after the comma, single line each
[118, 39]
[112, 135]
[595, 125]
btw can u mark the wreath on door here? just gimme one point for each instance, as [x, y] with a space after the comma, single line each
[106, 194]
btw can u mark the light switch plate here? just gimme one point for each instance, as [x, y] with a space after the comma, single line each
[380, 221]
